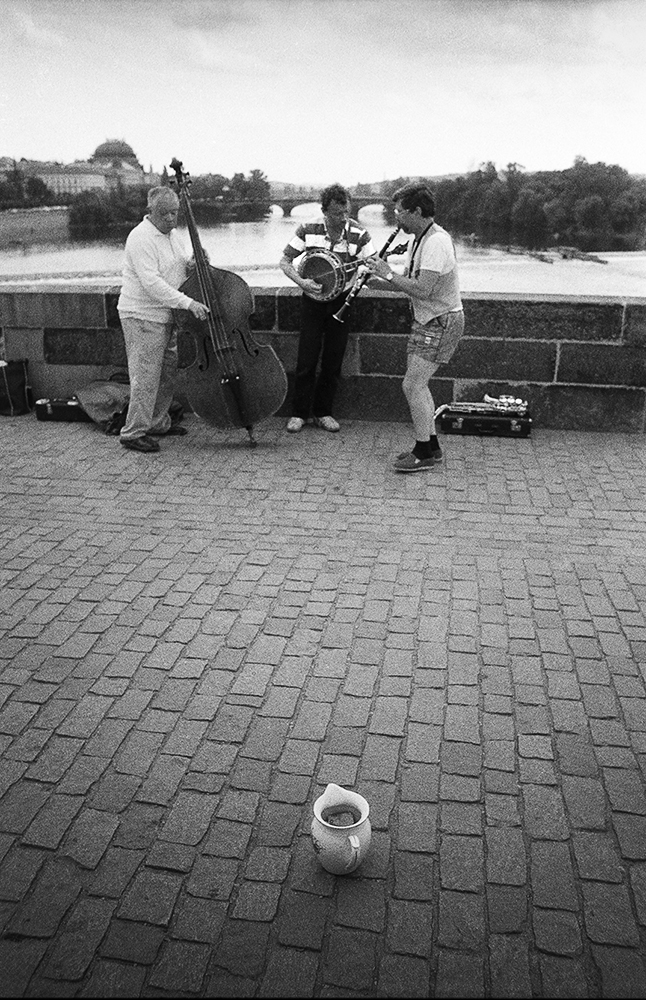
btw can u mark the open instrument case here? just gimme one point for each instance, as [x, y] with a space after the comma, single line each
[503, 417]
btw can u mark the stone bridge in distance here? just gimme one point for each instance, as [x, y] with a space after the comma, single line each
[289, 202]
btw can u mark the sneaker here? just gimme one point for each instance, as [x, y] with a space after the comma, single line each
[295, 424]
[436, 454]
[409, 463]
[143, 443]
[328, 424]
[175, 430]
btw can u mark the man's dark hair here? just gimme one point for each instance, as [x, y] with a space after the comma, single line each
[335, 192]
[413, 196]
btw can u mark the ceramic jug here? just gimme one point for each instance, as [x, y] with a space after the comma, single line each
[341, 829]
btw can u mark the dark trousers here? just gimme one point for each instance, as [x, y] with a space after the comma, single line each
[321, 337]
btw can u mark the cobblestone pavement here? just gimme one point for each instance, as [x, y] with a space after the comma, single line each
[194, 643]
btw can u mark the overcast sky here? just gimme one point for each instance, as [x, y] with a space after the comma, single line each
[327, 90]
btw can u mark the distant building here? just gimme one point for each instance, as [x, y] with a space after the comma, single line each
[113, 163]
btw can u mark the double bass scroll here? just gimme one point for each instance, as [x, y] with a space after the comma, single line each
[231, 380]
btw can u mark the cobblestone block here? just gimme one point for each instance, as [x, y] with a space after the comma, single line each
[461, 863]
[56, 888]
[132, 941]
[278, 824]
[289, 973]
[109, 735]
[461, 921]
[139, 826]
[228, 839]
[459, 975]
[403, 976]
[414, 876]
[243, 948]
[55, 760]
[597, 857]
[608, 914]
[17, 872]
[213, 877]
[462, 817]
[552, 877]
[138, 753]
[52, 822]
[361, 903]
[75, 947]
[575, 755]
[85, 718]
[257, 901]
[21, 804]
[544, 813]
[151, 898]
[461, 758]
[625, 790]
[631, 833]
[506, 860]
[562, 977]
[410, 928]
[380, 758]
[266, 739]
[557, 932]
[189, 818]
[351, 959]
[115, 872]
[114, 792]
[507, 909]
[638, 883]
[199, 920]
[622, 972]
[18, 961]
[509, 966]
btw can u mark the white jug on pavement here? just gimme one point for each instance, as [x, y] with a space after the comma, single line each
[341, 830]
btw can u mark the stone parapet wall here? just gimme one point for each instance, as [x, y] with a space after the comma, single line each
[580, 362]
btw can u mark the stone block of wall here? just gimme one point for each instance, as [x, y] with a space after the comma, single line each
[84, 347]
[52, 309]
[602, 364]
[509, 360]
[538, 320]
[635, 326]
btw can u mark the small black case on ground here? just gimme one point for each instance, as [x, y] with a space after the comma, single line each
[484, 420]
[67, 410]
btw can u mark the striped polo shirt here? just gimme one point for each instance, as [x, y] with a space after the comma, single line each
[355, 242]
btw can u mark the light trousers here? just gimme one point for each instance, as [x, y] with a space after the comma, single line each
[152, 366]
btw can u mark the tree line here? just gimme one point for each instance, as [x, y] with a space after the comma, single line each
[590, 206]
[99, 214]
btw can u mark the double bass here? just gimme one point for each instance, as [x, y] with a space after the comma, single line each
[230, 380]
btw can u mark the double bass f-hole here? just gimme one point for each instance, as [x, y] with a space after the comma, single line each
[233, 381]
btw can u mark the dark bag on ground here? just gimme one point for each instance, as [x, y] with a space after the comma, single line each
[106, 403]
[67, 410]
[15, 392]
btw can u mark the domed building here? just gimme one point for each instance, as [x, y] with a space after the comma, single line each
[121, 166]
[114, 152]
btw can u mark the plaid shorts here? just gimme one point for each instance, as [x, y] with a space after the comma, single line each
[436, 340]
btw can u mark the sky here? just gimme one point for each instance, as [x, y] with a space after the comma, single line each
[318, 91]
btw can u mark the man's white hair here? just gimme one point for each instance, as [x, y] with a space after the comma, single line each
[158, 193]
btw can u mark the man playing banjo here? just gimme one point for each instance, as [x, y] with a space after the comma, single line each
[329, 250]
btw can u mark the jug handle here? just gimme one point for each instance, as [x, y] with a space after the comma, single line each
[355, 846]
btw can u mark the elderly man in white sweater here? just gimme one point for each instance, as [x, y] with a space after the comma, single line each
[155, 267]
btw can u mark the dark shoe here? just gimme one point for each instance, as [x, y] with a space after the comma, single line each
[436, 455]
[409, 463]
[175, 430]
[139, 444]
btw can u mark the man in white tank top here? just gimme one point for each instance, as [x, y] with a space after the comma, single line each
[431, 282]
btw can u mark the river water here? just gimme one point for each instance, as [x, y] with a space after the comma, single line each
[253, 249]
